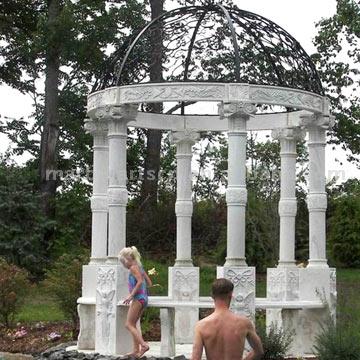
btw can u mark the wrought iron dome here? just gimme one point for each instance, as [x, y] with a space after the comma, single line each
[214, 43]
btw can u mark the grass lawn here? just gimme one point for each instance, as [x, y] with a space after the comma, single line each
[39, 307]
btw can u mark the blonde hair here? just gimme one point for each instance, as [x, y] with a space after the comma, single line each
[131, 252]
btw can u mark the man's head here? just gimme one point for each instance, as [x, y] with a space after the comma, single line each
[222, 289]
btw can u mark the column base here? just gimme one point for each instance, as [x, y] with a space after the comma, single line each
[86, 338]
[97, 260]
[183, 263]
[321, 263]
[86, 309]
[287, 264]
[301, 284]
[184, 284]
[112, 260]
[243, 278]
[229, 261]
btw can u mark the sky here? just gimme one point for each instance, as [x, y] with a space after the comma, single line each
[297, 17]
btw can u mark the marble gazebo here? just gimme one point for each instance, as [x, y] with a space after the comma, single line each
[261, 79]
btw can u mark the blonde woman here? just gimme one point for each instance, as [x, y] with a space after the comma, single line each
[138, 298]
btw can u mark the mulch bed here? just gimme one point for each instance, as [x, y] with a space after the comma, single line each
[35, 337]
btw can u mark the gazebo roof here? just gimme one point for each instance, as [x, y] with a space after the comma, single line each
[214, 43]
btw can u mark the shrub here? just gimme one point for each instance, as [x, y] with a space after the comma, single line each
[344, 231]
[14, 285]
[63, 282]
[276, 342]
[338, 343]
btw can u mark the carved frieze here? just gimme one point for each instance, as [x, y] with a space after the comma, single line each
[286, 97]
[171, 92]
[101, 98]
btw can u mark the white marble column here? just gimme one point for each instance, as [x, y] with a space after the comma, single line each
[236, 193]
[111, 287]
[99, 201]
[287, 204]
[235, 268]
[184, 141]
[316, 126]
[86, 304]
[118, 117]
[184, 278]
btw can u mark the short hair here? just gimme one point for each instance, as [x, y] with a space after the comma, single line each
[221, 288]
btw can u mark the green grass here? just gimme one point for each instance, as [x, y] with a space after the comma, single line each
[39, 306]
[348, 288]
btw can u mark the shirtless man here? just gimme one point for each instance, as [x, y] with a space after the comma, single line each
[223, 333]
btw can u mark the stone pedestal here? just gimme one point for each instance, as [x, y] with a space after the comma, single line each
[282, 285]
[184, 286]
[318, 284]
[243, 278]
[86, 308]
[111, 335]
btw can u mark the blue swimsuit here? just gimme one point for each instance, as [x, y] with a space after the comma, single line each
[142, 294]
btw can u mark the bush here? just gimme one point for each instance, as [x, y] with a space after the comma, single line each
[338, 343]
[22, 223]
[63, 282]
[14, 285]
[276, 342]
[344, 231]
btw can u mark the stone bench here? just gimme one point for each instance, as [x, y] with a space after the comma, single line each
[167, 314]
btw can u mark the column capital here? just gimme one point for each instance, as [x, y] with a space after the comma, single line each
[231, 110]
[95, 127]
[125, 112]
[317, 121]
[189, 136]
[295, 133]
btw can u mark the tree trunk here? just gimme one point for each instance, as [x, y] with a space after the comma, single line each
[149, 189]
[50, 133]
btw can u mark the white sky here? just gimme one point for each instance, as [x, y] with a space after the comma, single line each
[297, 17]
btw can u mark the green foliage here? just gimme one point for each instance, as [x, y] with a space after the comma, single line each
[337, 44]
[70, 235]
[276, 342]
[338, 342]
[262, 231]
[63, 282]
[14, 285]
[344, 227]
[21, 221]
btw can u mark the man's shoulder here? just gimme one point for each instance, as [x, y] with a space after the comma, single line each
[242, 319]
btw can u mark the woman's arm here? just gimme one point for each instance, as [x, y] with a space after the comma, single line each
[139, 279]
[147, 278]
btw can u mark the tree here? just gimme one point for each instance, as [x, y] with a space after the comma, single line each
[149, 190]
[338, 61]
[68, 43]
[344, 224]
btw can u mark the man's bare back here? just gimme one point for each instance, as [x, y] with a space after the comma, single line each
[223, 333]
